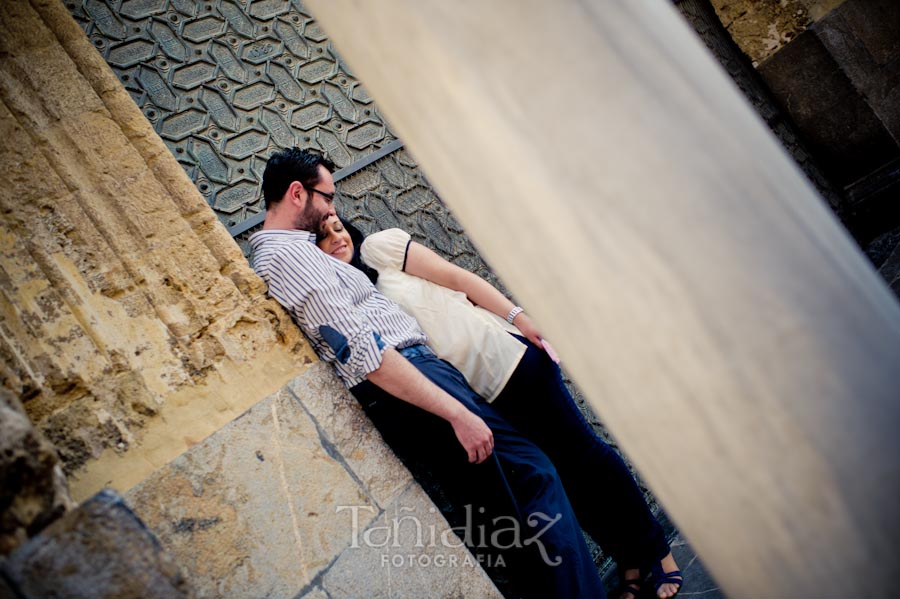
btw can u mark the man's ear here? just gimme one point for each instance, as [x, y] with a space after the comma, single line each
[296, 193]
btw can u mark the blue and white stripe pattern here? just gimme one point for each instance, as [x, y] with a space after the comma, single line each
[347, 320]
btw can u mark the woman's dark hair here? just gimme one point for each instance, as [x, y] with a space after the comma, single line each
[357, 237]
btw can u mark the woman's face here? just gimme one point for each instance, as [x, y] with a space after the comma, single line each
[335, 240]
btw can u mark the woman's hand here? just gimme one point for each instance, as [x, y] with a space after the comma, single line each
[524, 324]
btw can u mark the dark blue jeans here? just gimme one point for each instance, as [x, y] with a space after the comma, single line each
[517, 482]
[607, 501]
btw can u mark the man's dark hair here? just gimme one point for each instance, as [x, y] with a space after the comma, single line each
[289, 165]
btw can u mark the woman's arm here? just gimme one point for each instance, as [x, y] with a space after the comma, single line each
[425, 264]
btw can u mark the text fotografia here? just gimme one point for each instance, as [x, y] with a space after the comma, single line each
[423, 560]
[506, 534]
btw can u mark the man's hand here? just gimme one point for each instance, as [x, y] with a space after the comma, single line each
[474, 435]
[401, 379]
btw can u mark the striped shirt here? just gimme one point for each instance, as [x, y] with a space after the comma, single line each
[348, 321]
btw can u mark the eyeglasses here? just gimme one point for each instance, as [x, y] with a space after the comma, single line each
[327, 196]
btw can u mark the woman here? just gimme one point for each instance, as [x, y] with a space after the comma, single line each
[506, 360]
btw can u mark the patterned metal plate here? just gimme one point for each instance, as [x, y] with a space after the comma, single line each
[225, 83]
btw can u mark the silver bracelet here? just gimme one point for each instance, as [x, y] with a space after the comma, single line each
[513, 313]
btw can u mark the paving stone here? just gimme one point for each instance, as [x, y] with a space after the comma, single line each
[405, 554]
[875, 23]
[890, 267]
[251, 511]
[354, 436]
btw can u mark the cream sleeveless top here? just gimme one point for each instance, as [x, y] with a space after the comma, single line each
[476, 341]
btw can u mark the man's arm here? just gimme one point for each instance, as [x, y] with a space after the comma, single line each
[402, 380]
[303, 280]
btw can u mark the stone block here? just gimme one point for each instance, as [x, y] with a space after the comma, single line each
[21, 28]
[252, 510]
[354, 436]
[875, 23]
[32, 488]
[408, 551]
[100, 550]
[862, 37]
[841, 129]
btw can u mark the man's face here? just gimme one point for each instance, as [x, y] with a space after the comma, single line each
[319, 207]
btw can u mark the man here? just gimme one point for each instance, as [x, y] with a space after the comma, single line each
[423, 406]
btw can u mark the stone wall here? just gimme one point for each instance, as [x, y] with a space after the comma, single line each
[132, 326]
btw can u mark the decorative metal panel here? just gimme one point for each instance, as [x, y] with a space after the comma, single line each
[225, 83]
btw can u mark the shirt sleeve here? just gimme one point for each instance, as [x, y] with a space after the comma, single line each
[308, 286]
[385, 249]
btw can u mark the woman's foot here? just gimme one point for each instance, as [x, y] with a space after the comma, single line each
[667, 578]
[665, 572]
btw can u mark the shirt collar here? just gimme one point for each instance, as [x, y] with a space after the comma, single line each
[285, 234]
